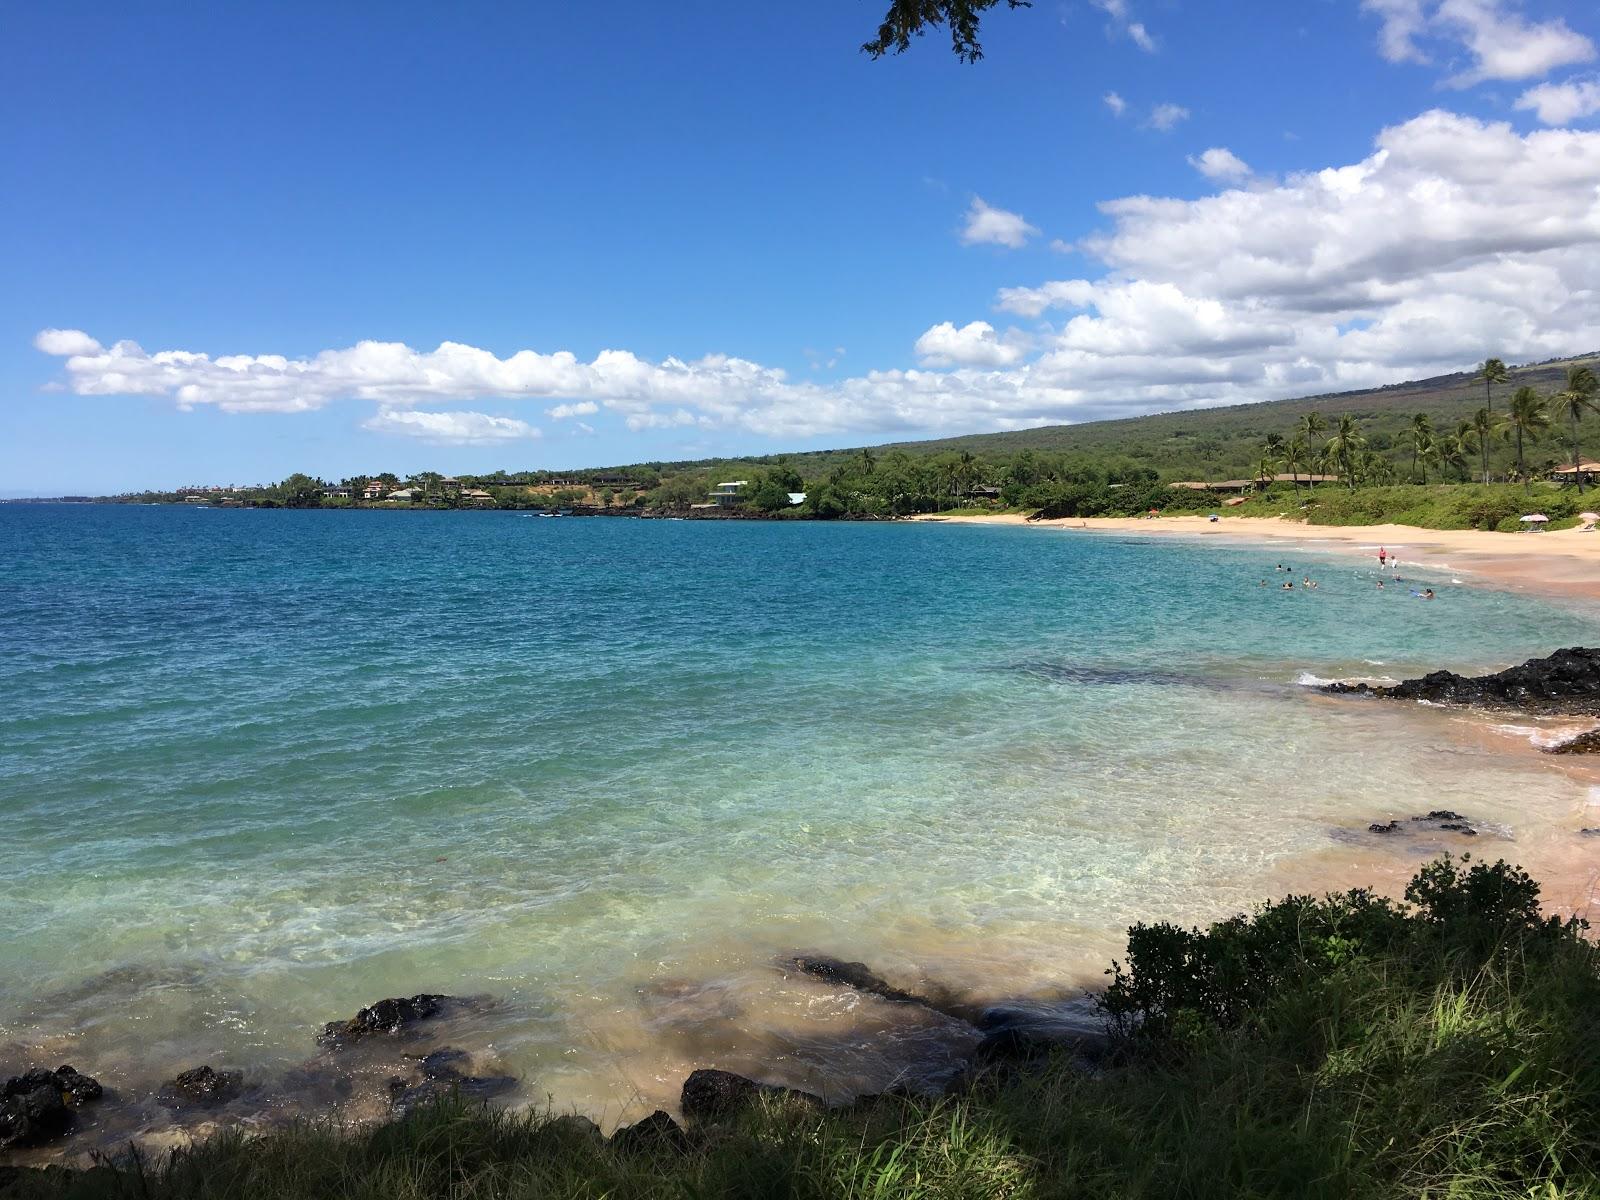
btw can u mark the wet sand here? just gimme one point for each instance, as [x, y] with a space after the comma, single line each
[1565, 562]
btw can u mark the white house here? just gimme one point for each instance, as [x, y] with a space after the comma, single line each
[728, 493]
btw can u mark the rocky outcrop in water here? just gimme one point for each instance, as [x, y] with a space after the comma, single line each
[1440, 820]
[1584, 743]
[37, 1106]
[202, 1087]
[1566, 682]
[710, 1095]
[384, 1017]
[854, 975]
[442, 1074]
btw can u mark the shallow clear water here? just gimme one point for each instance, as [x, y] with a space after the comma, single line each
[260, 768]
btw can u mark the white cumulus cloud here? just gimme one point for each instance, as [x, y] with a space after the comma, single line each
[65, 342]
[986, 225]
[1500, 42]
[1562, 103]
[974, 344]
[449, 428]
[584, 408]
[1115, 103]
[1452, 240]
[1220, 163]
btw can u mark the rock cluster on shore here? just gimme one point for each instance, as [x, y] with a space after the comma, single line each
[37, 1107]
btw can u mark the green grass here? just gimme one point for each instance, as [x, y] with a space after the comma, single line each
[1435, 506]
[1341, 1047]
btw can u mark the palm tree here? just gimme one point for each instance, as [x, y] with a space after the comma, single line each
[1528, 416]
[1419, 436]
[1343, 446]
[1484, 426]
[966, 470]
[867, 461]
[1313, 426]
[1271, 458]
[1296, 454]
[1455, 447]
[1574, 399]
[1373, 467]
[1493, 372]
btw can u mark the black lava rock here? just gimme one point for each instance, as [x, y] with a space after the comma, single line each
[384, 1017]
[1568, 681]
[656, 1134]
[852, 975]
[36, 1106]
[202, 1087]
[709, 1095]
[1584, 743]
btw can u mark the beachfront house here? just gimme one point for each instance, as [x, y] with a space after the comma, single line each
[725, 494]
[403, 494]
[450, 485]
[336, 493]
[1241, 486]
[477, 496]
[1587, 472]
[797, 497]
[373, 490]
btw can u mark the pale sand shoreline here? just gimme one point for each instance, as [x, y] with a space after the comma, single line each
[1565, 562]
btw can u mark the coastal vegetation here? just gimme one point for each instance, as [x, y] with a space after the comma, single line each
[1468, 451]
[1343, 1046]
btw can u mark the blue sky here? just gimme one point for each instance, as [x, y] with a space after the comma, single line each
[250, 229]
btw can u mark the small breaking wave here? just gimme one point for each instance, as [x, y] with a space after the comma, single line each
[1307, 679]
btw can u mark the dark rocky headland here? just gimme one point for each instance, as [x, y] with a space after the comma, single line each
[1565, 683]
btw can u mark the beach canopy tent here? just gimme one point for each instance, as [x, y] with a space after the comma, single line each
[1589, 516]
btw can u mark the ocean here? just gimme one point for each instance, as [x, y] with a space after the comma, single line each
[259, 768]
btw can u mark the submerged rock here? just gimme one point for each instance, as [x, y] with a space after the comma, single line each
[37, 1106]
[710, 1095]
[1021, 1034]
[1568, 681]
[1584, 743]
[202, 1087]
[1385, 827]
[442, 1074]
[384, 1017]
[1449, 822]
[852, 975]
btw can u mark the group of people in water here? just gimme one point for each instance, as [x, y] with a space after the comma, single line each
[1288, 584]
[1384, 561]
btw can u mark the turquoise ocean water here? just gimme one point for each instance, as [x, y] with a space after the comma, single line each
[259, 768]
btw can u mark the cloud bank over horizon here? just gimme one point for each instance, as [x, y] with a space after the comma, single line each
[1455, 238]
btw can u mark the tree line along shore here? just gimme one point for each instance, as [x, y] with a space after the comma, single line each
[1520, 447]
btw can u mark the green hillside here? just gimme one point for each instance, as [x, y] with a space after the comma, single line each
[1213, 442]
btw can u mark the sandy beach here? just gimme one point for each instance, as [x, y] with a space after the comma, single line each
[1565, 562]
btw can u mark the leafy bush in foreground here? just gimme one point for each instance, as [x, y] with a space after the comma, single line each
[1334, 1047]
